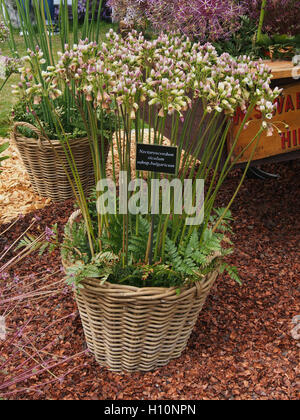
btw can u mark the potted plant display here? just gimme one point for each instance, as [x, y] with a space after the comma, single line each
[143, 252]
[34, 131]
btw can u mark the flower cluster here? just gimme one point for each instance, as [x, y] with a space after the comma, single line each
[169, 73]
[231, 83]
[3, 32]
[8, 66]
[28, 88]
[282, 16]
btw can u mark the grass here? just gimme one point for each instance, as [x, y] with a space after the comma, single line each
[6, 98]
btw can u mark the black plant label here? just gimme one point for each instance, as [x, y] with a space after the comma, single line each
[155, 158]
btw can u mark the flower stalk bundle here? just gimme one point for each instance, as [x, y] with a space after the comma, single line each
[143, 83]
[39, 32]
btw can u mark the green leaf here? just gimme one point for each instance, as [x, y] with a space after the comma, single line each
[232, 271]
[3, 147]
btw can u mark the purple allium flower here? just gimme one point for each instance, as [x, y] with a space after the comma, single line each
[200, 19]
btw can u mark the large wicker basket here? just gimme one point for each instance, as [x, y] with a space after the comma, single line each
[45, 163]
[132, 329]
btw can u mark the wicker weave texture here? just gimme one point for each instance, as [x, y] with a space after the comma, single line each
[132, 329]
[45, 163]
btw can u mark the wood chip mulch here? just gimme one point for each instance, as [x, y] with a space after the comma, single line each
[246, 343]
[16, 195]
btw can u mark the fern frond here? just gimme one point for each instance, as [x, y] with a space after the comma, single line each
[232, 271]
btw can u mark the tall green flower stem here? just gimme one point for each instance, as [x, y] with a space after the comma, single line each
[4, 83]
[227, 166]
[256, 139]
[75, 182]
[261, 20]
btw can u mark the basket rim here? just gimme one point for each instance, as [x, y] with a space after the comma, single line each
[127, 291]
[66, 264]
[16, 136]
[123, 291]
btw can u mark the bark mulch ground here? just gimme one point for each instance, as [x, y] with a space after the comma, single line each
[16, 194]
[246, 342]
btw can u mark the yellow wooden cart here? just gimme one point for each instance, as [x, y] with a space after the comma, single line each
[283, 145]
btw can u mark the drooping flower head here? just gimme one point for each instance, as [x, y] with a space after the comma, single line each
[3, 32]
[8, 66]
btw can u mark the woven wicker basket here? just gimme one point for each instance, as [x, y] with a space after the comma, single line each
[132, 329]
[46, 170]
